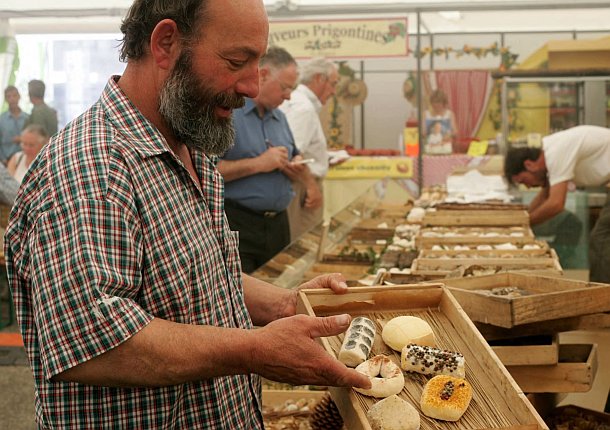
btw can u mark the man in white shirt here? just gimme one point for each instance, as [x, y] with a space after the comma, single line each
[581, 155]
[319, 78]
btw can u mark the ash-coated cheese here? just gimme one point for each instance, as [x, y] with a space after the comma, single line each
[358, 342]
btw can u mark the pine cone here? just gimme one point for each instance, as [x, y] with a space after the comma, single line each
[325, 415]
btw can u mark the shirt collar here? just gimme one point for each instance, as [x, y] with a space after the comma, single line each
[315, 101]
[251, 108]
[131, 122]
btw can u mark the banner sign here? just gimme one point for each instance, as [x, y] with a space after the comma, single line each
[372, 168]
[357, 38]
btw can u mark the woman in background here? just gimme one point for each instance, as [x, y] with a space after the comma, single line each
[33, 138]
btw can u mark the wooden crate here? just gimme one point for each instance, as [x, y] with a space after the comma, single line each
[497, 401]
[473, 236]
[476, 217]
[355, 254]
[595, 321]
[543, 250]
[481, 206]
[574, 373]
[531, 350]
[572, 414]
[549, 298]
[541, 264]
[377, 236]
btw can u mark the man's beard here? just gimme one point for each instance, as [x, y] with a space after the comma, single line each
[187, 106]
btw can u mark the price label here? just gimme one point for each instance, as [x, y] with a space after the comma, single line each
[478, 148]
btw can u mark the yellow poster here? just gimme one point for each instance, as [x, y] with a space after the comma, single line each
[354, 38]
[372, 168]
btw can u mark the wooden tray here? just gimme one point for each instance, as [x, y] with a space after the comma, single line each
[497, 401]
[541, 264]
[476, 217]
[550, 298]
[531, 350]
[574, 373]
[472, 236]
[595, 321]
[481, 206]
[544, 250]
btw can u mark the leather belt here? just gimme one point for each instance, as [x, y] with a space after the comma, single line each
[266, 214]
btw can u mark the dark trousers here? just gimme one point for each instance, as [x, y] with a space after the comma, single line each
[599, 247]
[261, 234]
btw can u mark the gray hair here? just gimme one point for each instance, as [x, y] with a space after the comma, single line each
[277, 58]
[316, 66]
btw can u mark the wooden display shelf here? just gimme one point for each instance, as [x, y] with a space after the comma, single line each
[574, 373]
[547, 298]
[497, 403]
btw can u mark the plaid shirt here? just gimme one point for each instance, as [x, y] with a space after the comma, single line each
[109, 231]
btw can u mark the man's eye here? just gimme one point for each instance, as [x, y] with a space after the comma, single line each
[236, 63]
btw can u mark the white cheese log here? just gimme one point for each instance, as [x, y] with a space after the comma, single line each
[358, 342]
[432, 361]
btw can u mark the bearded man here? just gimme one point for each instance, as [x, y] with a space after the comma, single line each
[124, 272]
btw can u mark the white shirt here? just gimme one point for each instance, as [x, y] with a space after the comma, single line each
[580, 154]
[303, 115]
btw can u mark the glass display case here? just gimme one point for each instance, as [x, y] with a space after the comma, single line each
[302, 259]
[537, 105]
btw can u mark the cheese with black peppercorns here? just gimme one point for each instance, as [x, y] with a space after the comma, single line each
[432, 361]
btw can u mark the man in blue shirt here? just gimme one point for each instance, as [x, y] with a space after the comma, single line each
[11, 123]
[259, 168]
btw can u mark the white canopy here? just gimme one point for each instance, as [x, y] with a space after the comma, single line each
[454, 16]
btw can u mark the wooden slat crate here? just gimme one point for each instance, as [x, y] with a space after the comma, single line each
[481, 206]
[476, 218]
[574, 373]
[498, 403]
[546, 298]
[532, 350]
[582, 322]
[430, 236]
[540, 264]
[542, 250]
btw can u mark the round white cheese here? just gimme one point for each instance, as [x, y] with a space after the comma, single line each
[401, 331]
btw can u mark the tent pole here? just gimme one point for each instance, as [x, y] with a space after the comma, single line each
[420, 163]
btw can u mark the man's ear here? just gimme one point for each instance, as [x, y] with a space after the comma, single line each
[530, 165]
[165, 44]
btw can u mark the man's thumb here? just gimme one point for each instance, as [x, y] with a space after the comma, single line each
[330, 326]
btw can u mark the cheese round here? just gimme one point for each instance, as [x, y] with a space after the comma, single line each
[402, 331]
[393, 413]
[446, 398]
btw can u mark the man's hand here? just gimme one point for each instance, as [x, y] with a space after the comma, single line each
[294, 171]
[313, 198]
[276, 157]
[287, 351]
[333, 281]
